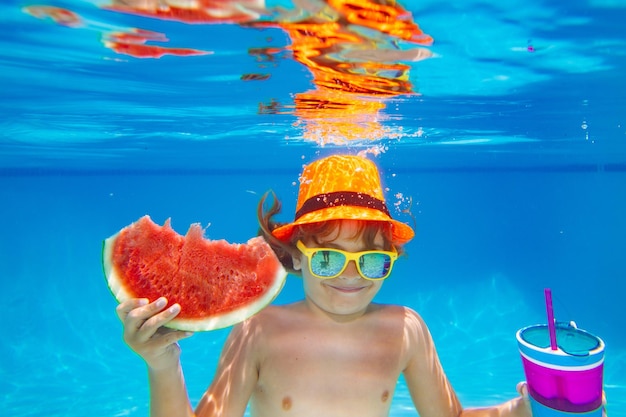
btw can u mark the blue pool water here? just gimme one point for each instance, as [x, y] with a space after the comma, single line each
[510, 154]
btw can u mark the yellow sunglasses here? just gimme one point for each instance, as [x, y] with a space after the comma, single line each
[327, 263]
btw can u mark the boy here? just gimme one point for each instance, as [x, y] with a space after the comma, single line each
[335, 353]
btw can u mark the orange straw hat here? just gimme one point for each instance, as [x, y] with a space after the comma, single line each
[342, 187]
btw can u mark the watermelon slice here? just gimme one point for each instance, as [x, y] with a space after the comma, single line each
[217, 284]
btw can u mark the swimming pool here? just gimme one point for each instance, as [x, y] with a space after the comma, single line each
[507, 147]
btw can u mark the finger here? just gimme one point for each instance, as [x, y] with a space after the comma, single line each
[522, 389]
[127, 306]
[164, 340]
[170, 336]
[140, 314]
[136, 319]
[152, 324]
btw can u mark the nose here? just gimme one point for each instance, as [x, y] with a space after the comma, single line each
[351, 271]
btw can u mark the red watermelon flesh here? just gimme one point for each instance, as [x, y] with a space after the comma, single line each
[217, 284]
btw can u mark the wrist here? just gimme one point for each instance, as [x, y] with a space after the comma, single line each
[522, 407]
[163, 369]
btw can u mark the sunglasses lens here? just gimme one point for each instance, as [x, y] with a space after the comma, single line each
[327, 263]
[375, 265]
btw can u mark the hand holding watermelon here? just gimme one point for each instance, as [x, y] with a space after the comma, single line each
[145, 334]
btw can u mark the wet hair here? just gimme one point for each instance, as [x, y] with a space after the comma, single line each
[366, 230]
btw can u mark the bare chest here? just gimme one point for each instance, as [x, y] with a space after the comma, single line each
[336, 373]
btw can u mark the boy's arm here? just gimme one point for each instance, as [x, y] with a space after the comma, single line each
[236, 376]
[428, 385]
[145, 335]
[168, 394]
[516, 407]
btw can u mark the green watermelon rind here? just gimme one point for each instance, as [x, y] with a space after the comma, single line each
[214, 322]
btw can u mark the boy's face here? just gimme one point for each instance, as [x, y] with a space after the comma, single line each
[348, 294]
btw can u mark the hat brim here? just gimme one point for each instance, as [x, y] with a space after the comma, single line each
[401, 232]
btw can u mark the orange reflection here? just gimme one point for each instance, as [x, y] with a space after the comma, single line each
[330, 117]
[353, 65]
[345, 120]
[57, 14]
[356, 50]
[385, 16]
[193, 11]
[130, 42]
[134, 43]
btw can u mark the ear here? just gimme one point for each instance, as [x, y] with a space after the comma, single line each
[296, 261]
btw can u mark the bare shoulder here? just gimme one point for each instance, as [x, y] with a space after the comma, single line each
[412, 317]
[419, 348]
[404, 328]
[416, 327]
[392, 310]
[272, 319]
[254, 329]
[405, 315]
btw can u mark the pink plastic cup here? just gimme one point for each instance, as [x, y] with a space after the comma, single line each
[567, 380]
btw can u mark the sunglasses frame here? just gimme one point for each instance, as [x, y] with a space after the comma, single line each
[350, 256]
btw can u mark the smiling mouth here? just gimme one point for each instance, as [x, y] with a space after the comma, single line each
[347, 289]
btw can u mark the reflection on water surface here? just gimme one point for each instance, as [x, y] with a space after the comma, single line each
[354, 51]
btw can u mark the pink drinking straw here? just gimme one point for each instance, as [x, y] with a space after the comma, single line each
[550, 311]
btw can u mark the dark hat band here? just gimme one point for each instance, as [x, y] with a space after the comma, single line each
[341, 198]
